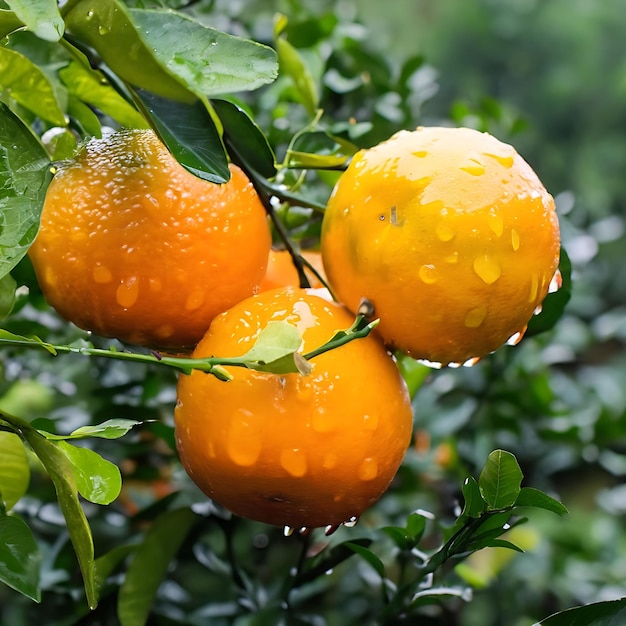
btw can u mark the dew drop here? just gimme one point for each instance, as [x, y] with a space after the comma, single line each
[293, 460]
[452, 258]
[428, 274]
[322, 421]
[330, 529]
[534, 288]
[471, 362]
[128, 292]
[102, 275]
[496, 224]
[432, 364]
[556, 283]
[288, 531]
[515, 240]
[194, 300]
[352, 522]
[476, 317]
[420, 154]
[506, 160]
[368, 470]
[244, 446]
[473, 166]
[538, 310]
[514, 339]
[330, 461]
[164, 331]
[454, 366]
[444, 232]
[487, 268]
[328, 572]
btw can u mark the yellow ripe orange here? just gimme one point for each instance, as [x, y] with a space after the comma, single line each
[281, 272]
[133, 246]
[449, 234]
[294, 450]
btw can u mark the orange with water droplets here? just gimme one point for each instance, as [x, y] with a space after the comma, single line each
[133, 246]
[281, 272]
[294, 450]
[450, 235]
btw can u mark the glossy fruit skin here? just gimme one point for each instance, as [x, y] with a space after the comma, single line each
[450, 235]
[281, 272]
[133, 246]
[293, 450]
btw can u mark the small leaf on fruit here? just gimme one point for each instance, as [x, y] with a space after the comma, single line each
[275, 342]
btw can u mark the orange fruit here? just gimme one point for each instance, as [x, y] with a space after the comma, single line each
[281, 272]
[294, 450]
[133, 246]
[449, 234]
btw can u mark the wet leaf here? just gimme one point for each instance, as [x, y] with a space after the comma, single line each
[97, 479]
[500, 480]
[63, 476]
[275, 342]
[20, 558]
[89, 86]
[529, 496]
[189, 133]
[612, 613]
[244, 138]
[42, 17]
[368, 556]
[14, 469]
[24, 176]
[150, 564]
[22, 81]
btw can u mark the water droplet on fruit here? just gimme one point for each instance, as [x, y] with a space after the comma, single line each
[534, 288]
[538, 310]
[514, 339]
[128, 292]
[473, 166]
[194, 300]
[444, 232]
[288, 531]
[515, 240]
[352, 522]
[471, 362]
[244, 446]
[330, 461]
[432, 364]
[487, 268]
[476, 317]
[322, 421]
[506, 160]
[330, 529]
[368, 470]
[428, 274]
[452, 258]
[102, 275]
[556, 282]
[420, 154]
[293, 460]
[496, 224]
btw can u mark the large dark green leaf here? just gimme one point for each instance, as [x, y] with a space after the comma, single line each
[244, 138]
[611, 613]
[150, 564]
[24, 174]
[189, 133]
[500, 480]
[19, 557]
[9, 22]
[42, 17]
[22, 81]
[14, 469]
[529, 496]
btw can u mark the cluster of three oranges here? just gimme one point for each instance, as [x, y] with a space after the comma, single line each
[446, 234]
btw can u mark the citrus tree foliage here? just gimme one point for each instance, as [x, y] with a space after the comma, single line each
[98, 520]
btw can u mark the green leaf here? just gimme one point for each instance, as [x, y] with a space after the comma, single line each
[415, 526]
[500, 480]
[107, 27]
[110, 429]
[22, 81]
[14, 469]
[7, 295]
[210, 63]
[275, 350]
[611, 613]
[529, 496]
[89, 86]
[24, 176]
[97, 479]
[108, 563]
[245, 140]
[474, 504]
[150, 564]
[9, 22]
[20, 558]
[368, 556]
[554, 304]
[189, 133]
[413, 372]
[292, 64]
[42, 17]
[63, 476]
[84, 117]
[503, 543]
